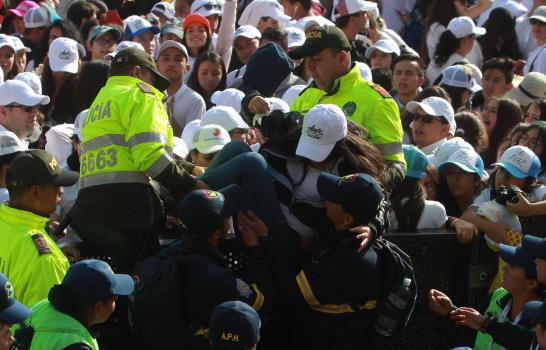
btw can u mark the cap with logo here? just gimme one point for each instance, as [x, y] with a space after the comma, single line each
[536, 246]
[91, 281]
[229, 97]
[224, 116]
[348, 7]
[11, 310]
[59, 142]
[323, 127]
[321, 38]
[518, 256]
[539, 14]
[6, 40]
[22, 8]
[137, 57]
[416, 161]
[520, 162]
[383, 45]
[10, 143]
[64, 55]
[207, 7]
[137, 26]
[247, 31]
[234, 324]
[258, 9]
[438, 107]
[37, 167]
[532, 87]
[18, 45]
[167, 44]
[163, 8]
[460, 76]
[210, 139]
[464, 26]
[124, 45]
[359, 194]
[295, 37]
[447, 148]
[466, 159]
[100, 30]
[17, 91]
[202, 211]
[32, 80]
[36, 17]
[196, 18]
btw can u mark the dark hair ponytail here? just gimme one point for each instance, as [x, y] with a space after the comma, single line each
[64, 300]
[447, 46]
[408, 203]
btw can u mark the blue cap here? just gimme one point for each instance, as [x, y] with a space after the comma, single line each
[11, 311]
[466, 159]
[359, 194]
[92, 281]
[520, 162]
[518, 256]
[416, 161]
[136, 26]
[234, 324]
[536, 246]
[202, 211]
[536, 311]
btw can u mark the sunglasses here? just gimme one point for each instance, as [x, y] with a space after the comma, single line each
[427, 118]
[27, 109]
[209, 7]
[536, 21]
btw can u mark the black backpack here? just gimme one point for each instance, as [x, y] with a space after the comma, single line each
[156, 312]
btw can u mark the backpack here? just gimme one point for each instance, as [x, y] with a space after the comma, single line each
[155, 308]
[395, 266]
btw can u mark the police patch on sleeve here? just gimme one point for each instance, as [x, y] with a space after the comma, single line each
[381, 90]
[243, 288]
[349, 108]
[145, 88]
[41, 244]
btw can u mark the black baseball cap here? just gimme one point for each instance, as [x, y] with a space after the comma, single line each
[234, 324]
[520, 257]
[37, 167]
[138, 57]
[535, 311]
[202, 211]
[321, 38]
[359, 194]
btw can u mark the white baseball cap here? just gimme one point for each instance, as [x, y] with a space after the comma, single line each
[294, 36]
[36, 17]
[539, 14]
[447, 149]
[189, 130]
[59, 142]
[18, 44]
[348, 7]
[123, 45]
[460, 76]
[78, 124]
[19, 92]
[10, 143]
[246, 31]
[292, 93]
[466, 159]
[323, 126]
[207, 7]
[64, 55]
[438, 107]
[137, 26]
[179, 147]
[464, 26]
[32, 80]
[229, 97]
[5, 40]
[257, 9]
[383, 45]
[520, 162]
[163, 8]
[171, 43]
[210, 139]
[224, 116]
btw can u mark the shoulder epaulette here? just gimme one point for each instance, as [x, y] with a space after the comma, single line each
[381, 90]
[145, 88]
[41, 243]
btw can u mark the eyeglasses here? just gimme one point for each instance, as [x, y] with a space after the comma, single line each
[238, 131]
[536, 21]
[103, 42]
[27, 109]
[427, 118]
[532, 142]
[209, 7]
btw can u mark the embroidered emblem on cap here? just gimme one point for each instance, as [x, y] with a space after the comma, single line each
[349, 178]
[137, 24]
[3, 39]
[53, 164]
[216, 132]
[519, 160]
[65, 55]
[9, 290]
[314, 35]
[314, 133]
[211, 195]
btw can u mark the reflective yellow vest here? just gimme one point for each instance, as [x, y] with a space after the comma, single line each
[126, 133]
[367, 105]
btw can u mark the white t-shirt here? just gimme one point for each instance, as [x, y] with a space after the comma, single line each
[536, 61]
[433, 217]
[391, 9]
[234, 74]
[186, 105]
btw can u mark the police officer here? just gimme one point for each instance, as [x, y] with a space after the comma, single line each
[127, 140]
[28, 255]
[234, 325]
[207, 283]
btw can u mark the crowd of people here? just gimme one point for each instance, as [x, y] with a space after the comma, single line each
[144, 144]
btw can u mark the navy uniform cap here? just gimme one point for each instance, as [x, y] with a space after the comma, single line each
[536, 246]
[535, 311]
[234, 324]
[520, 257]
[11, 310]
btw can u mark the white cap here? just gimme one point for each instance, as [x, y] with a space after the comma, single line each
[32, 80]
[229, 97]
[257, 9]
[247, 31]
[136, 26]
[5, 40]
[18, 44]
[163, 8]
[123, 45]
[520, 162]
[365, 71]
[207, 7]
[10, 143]
[210, 139]
[447, 148]
[189, 131]
[19, 92]
[64, 55]
[306, 23]
[171, 43]
[348, 7]
[36, 17]
[224, 116]
[59, 143]
[323, 126]
[460, 76]
[78, 124]
[539, 14]
[466, 159]
[383, 45]
[294, 36]
[292, 93]
[438, 107]
[464, 26]
[179, 147]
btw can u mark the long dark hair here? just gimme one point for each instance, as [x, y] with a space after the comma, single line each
[447, 46]
[65, 105]
[456, 94]
[193, 80]
[541, 103]
[541, 127]
[408, 203]
[92, 78]
[470, 127]
[500, 25]
[68, 29]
